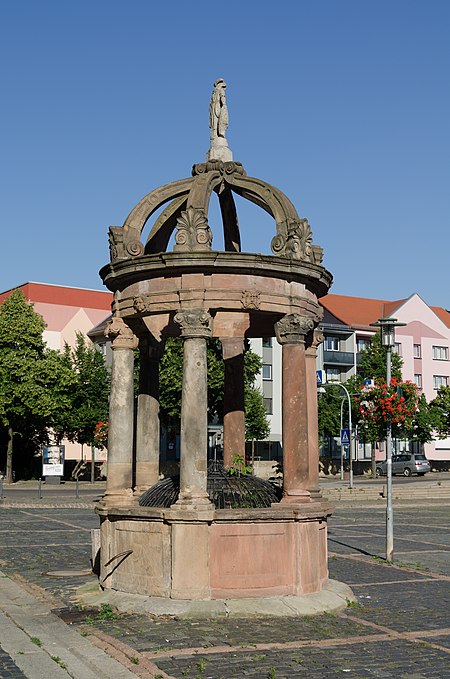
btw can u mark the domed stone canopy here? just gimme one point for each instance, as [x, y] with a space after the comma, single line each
[187, 213]
[195, 292]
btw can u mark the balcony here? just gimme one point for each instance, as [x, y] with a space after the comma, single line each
[338, 358]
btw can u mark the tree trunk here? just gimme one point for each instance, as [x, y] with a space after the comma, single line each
[374, 464]
[9, 457]
[92, 464]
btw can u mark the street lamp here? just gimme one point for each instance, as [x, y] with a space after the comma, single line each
[387, 327]
[352, 442]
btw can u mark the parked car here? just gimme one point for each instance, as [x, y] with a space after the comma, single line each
[406, 464]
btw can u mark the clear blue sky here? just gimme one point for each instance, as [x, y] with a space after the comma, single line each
[342, 104]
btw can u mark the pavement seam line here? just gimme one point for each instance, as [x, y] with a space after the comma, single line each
[416, 636]
[121, 651]
[360, 557]
[270, 646]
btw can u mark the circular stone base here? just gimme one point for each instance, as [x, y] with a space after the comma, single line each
[334, 596]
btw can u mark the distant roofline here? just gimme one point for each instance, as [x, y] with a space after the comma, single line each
[54, 285]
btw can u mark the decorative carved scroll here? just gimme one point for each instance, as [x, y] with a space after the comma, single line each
[226, 168]
[193, 232]
[120, 334]
[194, 323]
[293, 328]
[119, 248]
[295, 242]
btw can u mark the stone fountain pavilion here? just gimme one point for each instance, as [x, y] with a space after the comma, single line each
[191, 550]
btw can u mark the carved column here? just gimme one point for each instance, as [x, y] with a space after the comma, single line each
[314, 339]
[233, 399]
[195, 329]
[147, 424]
[121, 414]
[291, 331]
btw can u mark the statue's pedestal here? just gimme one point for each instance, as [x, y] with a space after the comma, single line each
[204, 554]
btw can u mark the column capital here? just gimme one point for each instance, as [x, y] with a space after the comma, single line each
[120, 334]
[194, 323]
[293, 328]
[315, 339]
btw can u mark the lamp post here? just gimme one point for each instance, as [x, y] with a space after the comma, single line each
[342, 445]
[352, 442]
[387, 327]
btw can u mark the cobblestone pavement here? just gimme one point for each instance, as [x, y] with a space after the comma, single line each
[399, 627]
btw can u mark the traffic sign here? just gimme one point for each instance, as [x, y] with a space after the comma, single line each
[319, 375]
[345, 437]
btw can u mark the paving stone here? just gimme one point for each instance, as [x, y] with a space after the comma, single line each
[8, 668]
[39, 540]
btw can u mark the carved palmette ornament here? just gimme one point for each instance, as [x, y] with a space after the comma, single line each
[295, 242]
[251, 299]
[194, 323]
[293, 328]
[193, 232]
[120, 334]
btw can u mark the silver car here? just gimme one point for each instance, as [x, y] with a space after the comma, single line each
[406, 464]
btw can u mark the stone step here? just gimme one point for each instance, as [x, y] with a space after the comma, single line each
[409, 492]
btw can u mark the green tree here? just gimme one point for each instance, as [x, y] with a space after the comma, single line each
[171, 378]
[424, 422]
[373, 361]
[34, 382]
[89, 396]
[257, 425]
[329, 411]
[440, 412]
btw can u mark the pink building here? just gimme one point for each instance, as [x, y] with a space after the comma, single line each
[423, 343]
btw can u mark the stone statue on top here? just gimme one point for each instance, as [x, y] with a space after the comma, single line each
[218, 123]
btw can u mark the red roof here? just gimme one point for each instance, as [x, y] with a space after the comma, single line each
[358, 312]
[58, 294]
[443, 314]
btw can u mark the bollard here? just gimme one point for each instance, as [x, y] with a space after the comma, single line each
[76, 487]
[40, 489]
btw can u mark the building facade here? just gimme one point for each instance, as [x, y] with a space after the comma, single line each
[423, 344]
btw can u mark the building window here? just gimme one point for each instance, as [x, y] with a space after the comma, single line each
[332, 343]
[266, 371]
[268, 406]
[333, 375]
[417, 351]
[440, 353]
[418, 380]
[440, 381]
[397, 348]
[362, 344]
[267, 342]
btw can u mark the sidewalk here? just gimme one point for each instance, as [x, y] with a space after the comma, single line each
[41, 645]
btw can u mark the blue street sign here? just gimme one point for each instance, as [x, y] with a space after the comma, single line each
[319, 374]
[345, 437]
